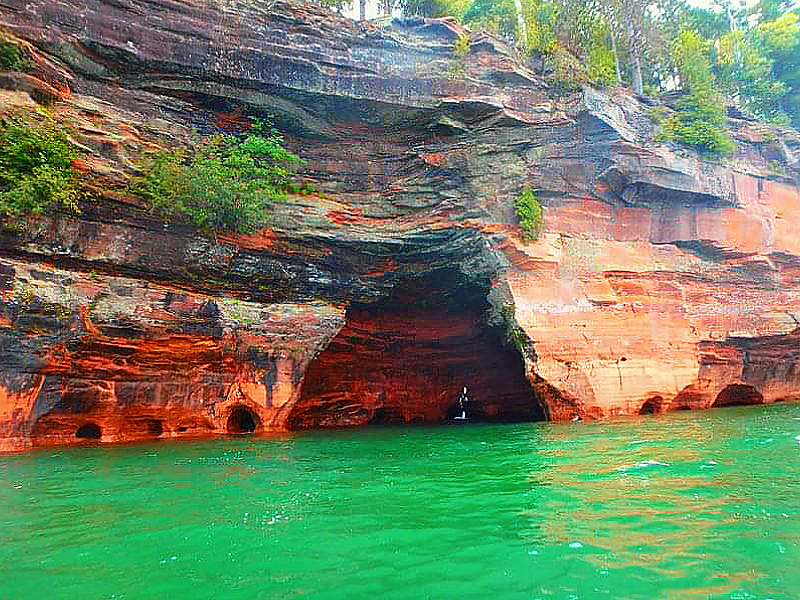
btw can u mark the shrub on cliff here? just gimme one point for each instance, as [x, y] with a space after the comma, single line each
[36, 167]
[529, 214]
[222, 184]
[699, 122]
[12, 57]
[700, 118]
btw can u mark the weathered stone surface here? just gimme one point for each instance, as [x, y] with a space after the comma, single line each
[662, 280]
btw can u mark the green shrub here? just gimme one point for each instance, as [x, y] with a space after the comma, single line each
[36, 167]
[529, 214]
[223, 184]
[12, 57]
[599, 66]
[700, 119]
[460, 51]
[699, 122]
[568, 72]
[702, 123]
[461, 47]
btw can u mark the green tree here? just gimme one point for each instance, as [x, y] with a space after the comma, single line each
[700, 119]
[780, 43]
[37, 170]
[435, 8]
[497, 16]
[335, 4]
[760, 67]
[224, 183]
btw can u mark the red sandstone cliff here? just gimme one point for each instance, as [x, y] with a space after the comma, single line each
[662, 280]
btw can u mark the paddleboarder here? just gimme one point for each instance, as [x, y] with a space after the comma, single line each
[463, 399]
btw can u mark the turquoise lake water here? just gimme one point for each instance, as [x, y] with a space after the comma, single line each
[688, 505]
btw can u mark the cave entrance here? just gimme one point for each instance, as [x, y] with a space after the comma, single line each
[407, 357]
[652, 406]
[738, 395]
[241, 420]
[89, 431]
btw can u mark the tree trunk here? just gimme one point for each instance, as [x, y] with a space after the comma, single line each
[523, 31]
[637, 73]
[362, 9]
[633, 52]
[616, 57]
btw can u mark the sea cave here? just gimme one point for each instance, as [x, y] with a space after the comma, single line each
[406, 358]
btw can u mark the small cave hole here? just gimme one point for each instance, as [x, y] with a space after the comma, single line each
[387, 415]
[89, 431]
[154, 427]
[738, 394]
[651, 406]
[241, 420]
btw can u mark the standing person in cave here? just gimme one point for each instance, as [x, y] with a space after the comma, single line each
[463, 399]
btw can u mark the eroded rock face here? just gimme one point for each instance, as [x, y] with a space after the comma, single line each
[131, 359]
[661, 281]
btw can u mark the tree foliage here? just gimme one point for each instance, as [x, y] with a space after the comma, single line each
[700, 117]
[435, 8]
[728, 54]
[37, 170]
[223, 183]
[761, 67]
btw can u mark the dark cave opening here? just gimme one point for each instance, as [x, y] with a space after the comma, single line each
[241, 420]
[738, 394]
[652, 406]
[143, 427]
[89, 431]
[155, 427]
[407, 357]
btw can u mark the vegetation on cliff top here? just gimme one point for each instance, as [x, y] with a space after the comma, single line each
[223, 183]
[37, 170]
[700, 119]
[752, 52]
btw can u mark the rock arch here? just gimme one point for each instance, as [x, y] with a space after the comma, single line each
[89, 431]
[738, 394]
[652, 406]
[406, 358]
[242, 419]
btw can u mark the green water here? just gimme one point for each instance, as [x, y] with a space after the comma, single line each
[688, 505]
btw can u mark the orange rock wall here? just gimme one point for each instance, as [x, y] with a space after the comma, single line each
[142, 360]
[624, 314]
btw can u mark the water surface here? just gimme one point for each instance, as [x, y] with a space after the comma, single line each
[688, 505]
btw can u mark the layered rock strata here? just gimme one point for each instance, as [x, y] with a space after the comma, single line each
[662, 280]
